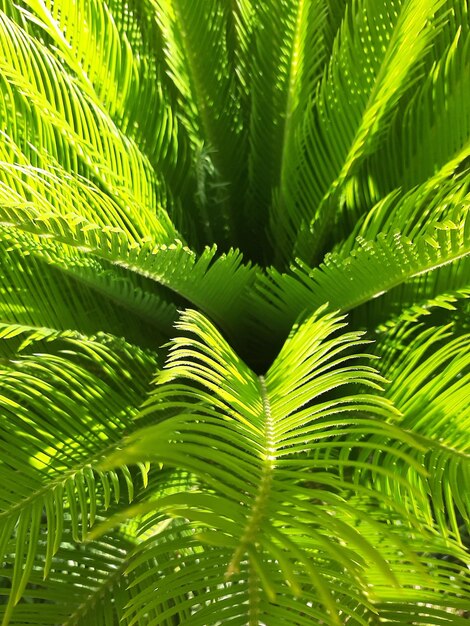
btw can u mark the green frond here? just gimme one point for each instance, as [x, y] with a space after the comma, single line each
[103, 295]
[59, 289]
[440, 289]
[371, 269]
[97, 595]
[282, 84]
[61, 409]
[95, 138]
[111, 59]
[288, 441]
[174, 266]
[402, 613]
[439, 198]
[434, 122]
[373, 62]
[195, 39]
[193, 196]
[199, 571]
[430, 373]
[117, 63]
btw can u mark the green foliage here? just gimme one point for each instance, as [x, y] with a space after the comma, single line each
[234, 336]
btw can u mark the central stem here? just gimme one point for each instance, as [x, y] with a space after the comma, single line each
[261, 501]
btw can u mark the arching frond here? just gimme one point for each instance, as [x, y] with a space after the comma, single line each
[286, 441]
[200, 65]
[69, 126]
[199, 572]
[372, 268]
[372, 63]
[94, 294]
[174, 266]
[96, 595]
[62, 408]
[434, 122]
[403, 613]
[442, 287]
[62, 290]
[430, 370]
[282, 84]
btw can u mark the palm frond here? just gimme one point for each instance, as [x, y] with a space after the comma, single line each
[371, 269]
[58, 289]
[199, 572]
[62, 408]
[97, 593]
[63, 287]
[281, 88]
[118, 63]
[69, 125]
[401, 614]
[180, 168]
[175, 266]
[110, 58]
[429, 368]
[437, 294]
[372, 64]
[285, 440]
[434, 122]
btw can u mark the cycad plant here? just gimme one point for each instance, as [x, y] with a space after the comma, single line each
[234, 294]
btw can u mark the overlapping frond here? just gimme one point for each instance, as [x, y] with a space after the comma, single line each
[88, 584]
[112, 58]
[372, 63]
[145, 146]
[418, 297]
[282, 84]
[68, 126]
[372, 268]
[174, 266]
[429, 136]
[199, 62]
[430, 372]
[63, 405]
[58, 289]
[404, 614]
[287, 441]
[63, 287]
[199, 573]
